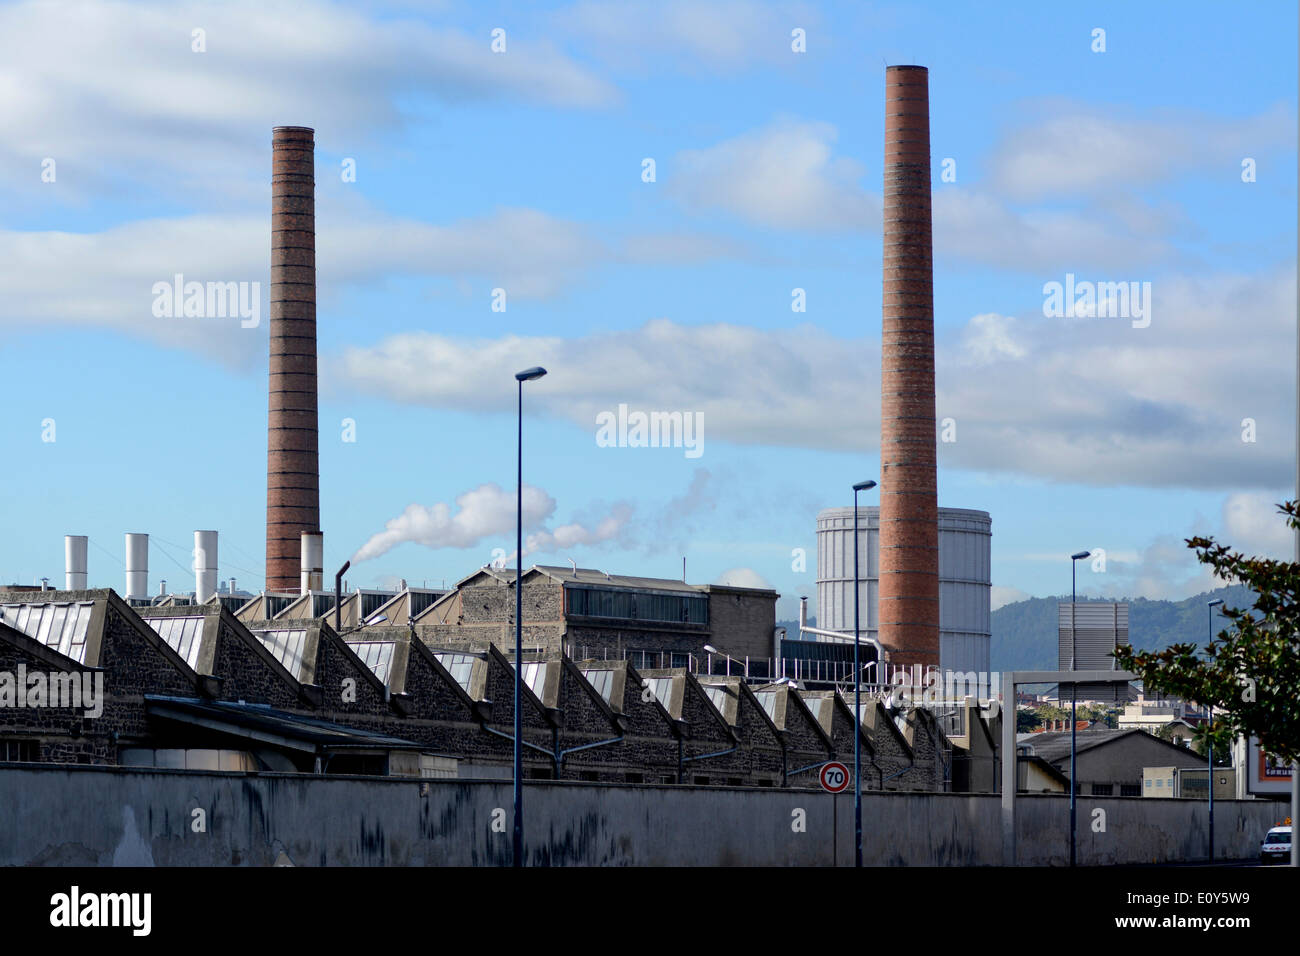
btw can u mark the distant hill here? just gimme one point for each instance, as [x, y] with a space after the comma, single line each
[1024, 633]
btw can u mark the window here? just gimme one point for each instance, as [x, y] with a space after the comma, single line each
[1130, 790]
[701, 781]
[377, 655]
[460, 666]
[275, 603]
[717, 696]
[1102, 789]
[735, 782]
[588, 775]
[768, 700]
[662, 688]
[1160, 783]
[636, 606]
[372, 601]
[666, 778]
[534, 675]
[182, 635]
[1148, 783]
[60, 627]
[287, 647]
[601, 680]
[634, 777]
[20, 751]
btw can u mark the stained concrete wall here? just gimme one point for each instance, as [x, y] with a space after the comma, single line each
[140, 817]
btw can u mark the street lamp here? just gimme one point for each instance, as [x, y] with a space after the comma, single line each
[527, 375]
[857, 684]
[1209, 726]
[1074, 697]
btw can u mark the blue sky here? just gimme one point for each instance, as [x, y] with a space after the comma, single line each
[522, 170]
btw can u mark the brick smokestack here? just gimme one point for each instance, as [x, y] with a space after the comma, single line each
[909, 519]
[292, 464]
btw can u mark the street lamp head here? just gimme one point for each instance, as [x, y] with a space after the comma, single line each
[710, 649]
[1080, 555]
[864, 486]
[528, 374]
[1216, 602]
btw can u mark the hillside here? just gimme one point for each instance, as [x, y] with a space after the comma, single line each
[1024, 633]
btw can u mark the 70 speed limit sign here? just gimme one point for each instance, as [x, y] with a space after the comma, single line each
[834, 777]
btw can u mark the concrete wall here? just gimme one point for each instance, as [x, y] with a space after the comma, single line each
[128, 816]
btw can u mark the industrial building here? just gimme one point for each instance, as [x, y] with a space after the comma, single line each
[965, 581]
[1110, 762]
[192, 687]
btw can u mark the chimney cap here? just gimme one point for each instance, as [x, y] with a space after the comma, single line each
[302, 129]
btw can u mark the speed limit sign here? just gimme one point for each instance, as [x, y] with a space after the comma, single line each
[834, 777]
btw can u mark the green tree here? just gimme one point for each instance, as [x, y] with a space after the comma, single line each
[1250, 671]
[1027, 721]
[1220, 738]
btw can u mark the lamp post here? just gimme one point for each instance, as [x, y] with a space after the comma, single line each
[1209, 726]
[857, 684]
[527, 375]
[1074, 697]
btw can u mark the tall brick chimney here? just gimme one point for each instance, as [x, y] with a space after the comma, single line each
[292, 465]
[909, 519]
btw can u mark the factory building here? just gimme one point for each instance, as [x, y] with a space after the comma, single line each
[965, 581]
[192, 687]
[584, 612]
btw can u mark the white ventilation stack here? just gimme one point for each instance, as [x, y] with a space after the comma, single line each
[205, 565]
[137, 567]
[74, 562]
[313, 562]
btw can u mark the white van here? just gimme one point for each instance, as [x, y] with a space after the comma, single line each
[1276, 847]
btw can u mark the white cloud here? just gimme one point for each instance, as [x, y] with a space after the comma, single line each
[786, 175]
[576, 534]
[783, 176]
[487, 513]
[1253, 525]
[792, 377]
[105, 278]
[742, 578]
[114, 91]
[1091, 401]
[1073, 149]
[481, 512]
[1002, 596]
[980, 227]
[1166, 568]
